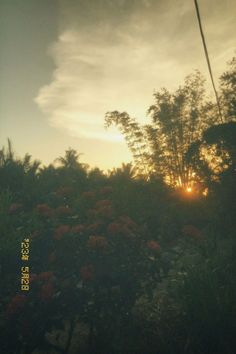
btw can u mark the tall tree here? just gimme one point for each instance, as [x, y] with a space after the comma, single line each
[177, 120]
[228, 91]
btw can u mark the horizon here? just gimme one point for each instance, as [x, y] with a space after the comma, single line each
[61, 67]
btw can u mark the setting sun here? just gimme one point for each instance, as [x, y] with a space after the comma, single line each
[189, 189]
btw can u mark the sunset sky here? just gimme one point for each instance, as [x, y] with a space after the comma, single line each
[64, 64]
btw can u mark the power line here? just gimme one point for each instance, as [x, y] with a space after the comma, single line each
[207, 59]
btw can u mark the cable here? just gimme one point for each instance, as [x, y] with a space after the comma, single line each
[208, 60]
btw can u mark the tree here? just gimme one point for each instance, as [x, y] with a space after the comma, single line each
[177, 120]
[71, 159]
[228, 90]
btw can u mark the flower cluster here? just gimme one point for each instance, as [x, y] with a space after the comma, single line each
[104, 208]
[97, 242]
[89, 195]
[87, 273]
[47, 291]
[16, 304]
[15, 208]
[78, 229]
[44, 210]
[124, 226]
[192, 231]
[154, 246]
[60, 231]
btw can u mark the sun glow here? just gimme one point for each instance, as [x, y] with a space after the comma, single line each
[189, 189]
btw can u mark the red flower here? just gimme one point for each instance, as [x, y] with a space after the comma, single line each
[47, 291]
[104, 208]
[88, 195]
[103, 203]
[14, 208]
[192, 231]
[154, 246]
[45, 275]
[78, 229]
[16, 304]
[125, 227]
[114, 229]
[97, 242]
[44, 210]
[60, 231]
[87, 273]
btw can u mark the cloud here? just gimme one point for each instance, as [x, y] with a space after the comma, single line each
[111, 56]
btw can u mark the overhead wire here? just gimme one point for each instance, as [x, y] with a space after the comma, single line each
[208, 60]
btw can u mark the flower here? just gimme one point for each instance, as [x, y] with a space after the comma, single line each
[16, 304]
[124, 226]
[60, 231]
[97, 242]
[47, 291]
[192, 231]
[153, 246]
[92, 228]
[103, 203]
[104, 208]
[44, 210]
[78, 229]
[114, 229]
[88, 195]
[87, 273]
[14, 208]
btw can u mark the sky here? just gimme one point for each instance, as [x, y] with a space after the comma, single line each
[65, 63]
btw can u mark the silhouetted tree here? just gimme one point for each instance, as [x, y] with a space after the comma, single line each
[177, 120]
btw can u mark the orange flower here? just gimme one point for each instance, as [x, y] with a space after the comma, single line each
[154, 246]
[44, 210]
[97, 242]
[60, 231]
[87, 273]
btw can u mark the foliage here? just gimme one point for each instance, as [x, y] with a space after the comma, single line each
[177, 120]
